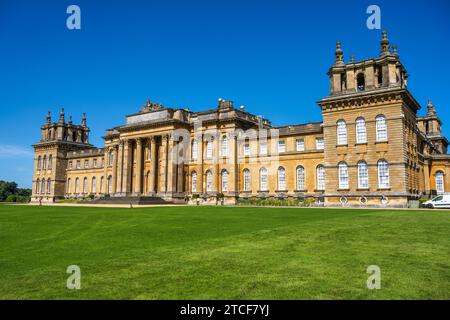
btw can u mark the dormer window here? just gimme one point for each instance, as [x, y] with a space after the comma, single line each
[360, 82]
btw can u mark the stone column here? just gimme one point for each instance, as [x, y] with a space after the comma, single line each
[171, 166]
[120, 168]
[216, 173]
[233, 187]
[151, 185]
[126, 183]
[105, 172]
[138, 182]
[180, 168]
[114, 169]
[163, 171]
[199, 167]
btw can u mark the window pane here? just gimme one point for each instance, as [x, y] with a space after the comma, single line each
[341, 132]
[343, 176]
[361, 131]
[383, 174]
[381, 128]
[300, 178]
[363, 176]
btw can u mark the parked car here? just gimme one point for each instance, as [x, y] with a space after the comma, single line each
[441, 201]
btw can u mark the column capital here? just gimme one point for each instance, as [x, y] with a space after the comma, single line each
[139, 141]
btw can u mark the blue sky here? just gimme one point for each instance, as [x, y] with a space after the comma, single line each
[271, 56]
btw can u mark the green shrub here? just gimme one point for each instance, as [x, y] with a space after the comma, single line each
[421, 201]
[91, 196]
[11, 198]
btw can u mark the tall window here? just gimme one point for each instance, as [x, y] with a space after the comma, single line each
[224, 181]
[281, 146]
[363, 175]
[44, 163]
[77, 185]
[50, 160]
[85, 185]
[69, 185]
[281, 179]
[341, 132]
[209, 150]
[247, 150]
[320, 177]
[69, 164]
[49, 185]
[319, 144]
[43, 186]
[300, 175]
[208, 181]
[246, 180]
[94, 163]
[439, 182]
[263, 179]
[86, 163]
[224, 148]
[360, 82]
[38, 185]
[109, 184]
[383, 174]
[263, 148]
[111, 158]
[94, 185]
[343, 175]
[361, 136]
[300, 143]
[194, 181]
[194, 150]
[78, 164]
[39, 162]
[381, 128]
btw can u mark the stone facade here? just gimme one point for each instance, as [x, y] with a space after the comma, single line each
[370, 149]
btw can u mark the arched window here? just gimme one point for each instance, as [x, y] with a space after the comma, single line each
[383, 174]
[194, 181]
[341, 132]
[300, 177]
[263, 179]
[38, 184]
[224, 181]
[102, 184]
[43, 186]
[49, 185]
[343, 175]
[381, 128]
[39, 162]
[439, 182]
[109, 184]
[281, 179]
[361, 136]
[94, 185]
[69, 185]
[363, 175]
[50, 160]
[111, 158]
[85, 185]
[320, 177]
[77, 185]
[194, 150]
[208, 181]
[44, 163]
[224, 147]
[360, 82]
[246, 180]
[209, 150]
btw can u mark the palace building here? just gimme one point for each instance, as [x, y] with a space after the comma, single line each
[371, 149]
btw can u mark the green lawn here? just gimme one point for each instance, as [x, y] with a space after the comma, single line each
[223, 253]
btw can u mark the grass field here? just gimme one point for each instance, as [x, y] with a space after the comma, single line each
[223, 253]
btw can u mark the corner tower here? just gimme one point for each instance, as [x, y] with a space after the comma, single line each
[50, 162]
[369, 122]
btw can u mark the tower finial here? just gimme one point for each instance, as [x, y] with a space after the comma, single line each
[48, 119]
[352, 58]
[70, 120]
[394, 50]
[83, 120]
[385, 47]
[431, 109]
[339, 54]
[61, 116]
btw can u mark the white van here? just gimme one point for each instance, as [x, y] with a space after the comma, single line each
[440, 201]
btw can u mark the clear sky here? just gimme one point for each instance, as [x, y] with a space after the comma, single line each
[271, 56]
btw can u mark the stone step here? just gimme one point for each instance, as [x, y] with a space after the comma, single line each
[132, 200]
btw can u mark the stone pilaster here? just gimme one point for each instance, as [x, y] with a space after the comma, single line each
[152, 176]
[120, 167]
[163, 168]
[114, 169]
[138, 182]
[127, 157]
[199, 167]
[216, 173]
